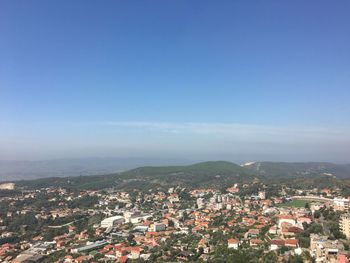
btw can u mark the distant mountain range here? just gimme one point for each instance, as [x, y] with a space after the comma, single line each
[213, 173]
[25, 170]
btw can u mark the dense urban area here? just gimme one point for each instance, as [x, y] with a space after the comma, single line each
[253, 221]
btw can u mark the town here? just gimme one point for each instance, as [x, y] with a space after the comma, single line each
[243, 223]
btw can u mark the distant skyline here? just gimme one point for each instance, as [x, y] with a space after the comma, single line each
[199, 80]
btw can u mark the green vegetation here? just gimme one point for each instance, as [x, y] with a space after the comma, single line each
[300, 169]
[304, 236]
[224, 254]
[332, 219]
[219, 174]
[215, 174]
[84, 202]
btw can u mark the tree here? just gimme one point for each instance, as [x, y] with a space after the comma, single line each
[270, 257]
[307, 205]
[317, 214]
[307, 256]
[130, 239]
[295, 259]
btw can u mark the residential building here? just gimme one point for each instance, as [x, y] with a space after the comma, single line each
[344, 224]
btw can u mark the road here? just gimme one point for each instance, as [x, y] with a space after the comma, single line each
[67, 224]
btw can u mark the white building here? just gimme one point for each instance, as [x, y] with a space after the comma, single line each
[132, 217]
[341, 204]
[7, 186]
[232, 243]
[200, 203]
[219, 206]
[112, 221]
[344, 224]
[286, 219]
[262, 195]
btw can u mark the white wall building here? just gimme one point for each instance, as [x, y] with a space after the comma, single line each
[232, 243]
[341, 204]
[262, 195]
[112, 221]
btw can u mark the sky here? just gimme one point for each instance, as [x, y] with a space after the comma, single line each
[234, 80]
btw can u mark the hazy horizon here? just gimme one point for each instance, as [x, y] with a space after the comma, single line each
[157, 161]
[27, 170]
[196, 141]
[230, 80]
[177, 160]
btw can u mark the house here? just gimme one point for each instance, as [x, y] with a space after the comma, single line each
[295, 229]
[255, 242]
[276, 244]
[233, 189]
[82, 259]
[232, 243]
[135, 252]
[285, 219]
[252, 233]
[341, 204]
[120, 251]
[60, 243]
[291, 243]
[82, 235]
[204, 245]
[68, 259]
[273, 230]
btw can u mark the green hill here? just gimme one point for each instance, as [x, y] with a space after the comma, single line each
[299, 169]
[201, 174]
[205, 168]
[218, 174]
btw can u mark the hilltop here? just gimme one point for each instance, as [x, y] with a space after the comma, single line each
[200, 174]
[299, 169]
[213, 173]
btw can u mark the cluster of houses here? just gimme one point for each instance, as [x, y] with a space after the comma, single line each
[135, 229]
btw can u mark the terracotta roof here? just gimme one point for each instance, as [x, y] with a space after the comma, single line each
[291, 242]
[253, 231]
[232, 241]
[295, 229]
[256, 241]
[135, 249]
[278, 242]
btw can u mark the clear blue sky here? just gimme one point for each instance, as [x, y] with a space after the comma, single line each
[199, 79]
